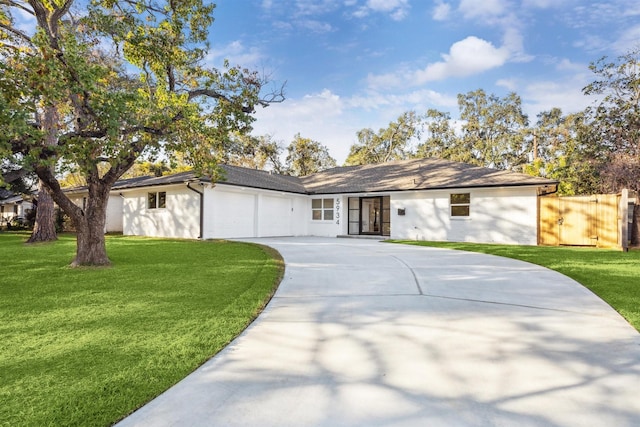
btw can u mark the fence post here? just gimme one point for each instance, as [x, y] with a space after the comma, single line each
[623, 220]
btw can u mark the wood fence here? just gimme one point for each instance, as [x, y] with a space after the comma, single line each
[598, 220]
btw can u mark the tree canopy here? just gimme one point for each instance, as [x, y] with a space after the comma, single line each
[616, 118]
[306, 156]
[390, 143]
[105, 84]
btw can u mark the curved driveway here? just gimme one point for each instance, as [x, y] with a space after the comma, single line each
[364, 333]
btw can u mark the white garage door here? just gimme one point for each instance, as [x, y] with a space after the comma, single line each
[234, 215]
[275, 216]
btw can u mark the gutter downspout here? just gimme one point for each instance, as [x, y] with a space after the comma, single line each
[201, 193]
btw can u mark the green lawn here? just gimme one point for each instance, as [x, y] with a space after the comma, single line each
[612, 275]
[88, 346]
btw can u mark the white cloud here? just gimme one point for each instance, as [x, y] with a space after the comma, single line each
[334, 121]
[441, 11]
[399, 102]
[509, 84]
[397, 9]
[465, 58]
[513, 43]
[628, 40]
[472, 9]
[237, 54]
[567, 65]
[388, 80]
[565, 94]
[320, 116]
[312, 7]
[315, 26]
[543, 4]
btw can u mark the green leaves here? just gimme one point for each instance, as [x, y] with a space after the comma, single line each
[391, 143]
[124, 79]
[616, 119]
[306, 156]
[495, 129]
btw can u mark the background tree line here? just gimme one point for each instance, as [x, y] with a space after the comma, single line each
[593, 151]
[596, 150]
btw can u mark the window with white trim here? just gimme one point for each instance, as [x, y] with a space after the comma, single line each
[322, 209]
[460, 204]
[157, 200]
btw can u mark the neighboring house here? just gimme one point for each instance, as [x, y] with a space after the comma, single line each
[422, 199]
[13, 206]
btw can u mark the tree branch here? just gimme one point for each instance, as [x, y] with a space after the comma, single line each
[12, 3]
[24, 37]
[47, 176]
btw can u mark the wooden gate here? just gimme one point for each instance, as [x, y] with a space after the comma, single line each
[579, 220]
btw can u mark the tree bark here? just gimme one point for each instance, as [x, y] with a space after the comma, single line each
[90, 223]
[44, 229]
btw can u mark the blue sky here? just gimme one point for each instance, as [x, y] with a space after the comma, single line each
[351, 64]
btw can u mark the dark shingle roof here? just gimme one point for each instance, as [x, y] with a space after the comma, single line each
[5, 194]
[235, 175]
[403, 175]
[417, 174]
[232, 175]
[151, 181]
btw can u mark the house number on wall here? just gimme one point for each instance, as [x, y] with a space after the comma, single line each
[338, 211]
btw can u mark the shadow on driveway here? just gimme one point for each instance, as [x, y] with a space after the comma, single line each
[369, 333]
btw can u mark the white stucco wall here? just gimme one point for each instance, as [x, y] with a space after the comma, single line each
[238, 212]
[497, 215]
[114, 218]
[180, 218]
[328, 228]
[18, 209]
[114, 214]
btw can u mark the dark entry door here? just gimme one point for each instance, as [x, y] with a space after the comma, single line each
[370, 216]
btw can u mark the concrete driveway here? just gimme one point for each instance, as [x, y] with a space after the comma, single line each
[364, 333]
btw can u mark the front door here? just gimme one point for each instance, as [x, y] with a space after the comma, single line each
[370, 216]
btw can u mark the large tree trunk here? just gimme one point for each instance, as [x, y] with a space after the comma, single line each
[44, 229]
[89, 221]
[91, 247]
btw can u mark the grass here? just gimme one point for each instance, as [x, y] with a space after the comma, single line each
[612, 275]
[88, 346]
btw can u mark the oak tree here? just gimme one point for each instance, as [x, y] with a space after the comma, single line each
[390, 143]
[306, 156]
[255, 152]
[616, 122]
[562, 151]
[494, 130]
[111, 82]
[440, 139]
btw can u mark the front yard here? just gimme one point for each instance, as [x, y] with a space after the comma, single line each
[88, 346]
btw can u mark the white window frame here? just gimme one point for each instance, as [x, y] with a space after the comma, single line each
[158, 196]
[324, 212]
[458, 204]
